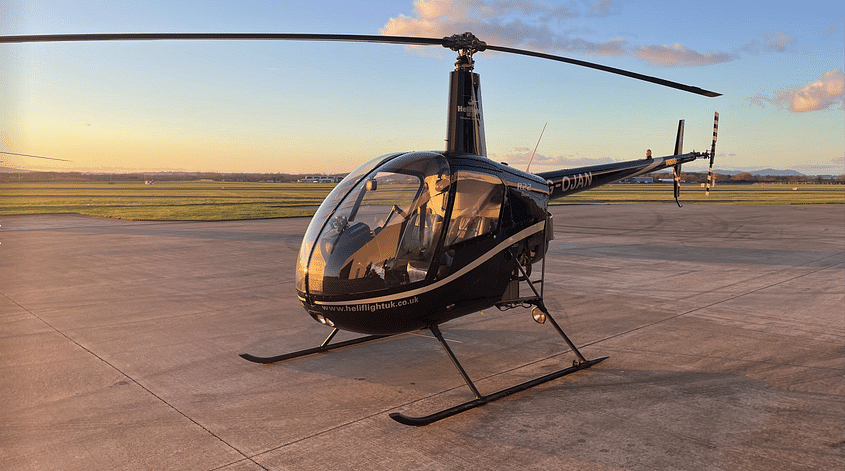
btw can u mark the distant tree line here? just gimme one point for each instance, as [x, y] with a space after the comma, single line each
[746, 177]
[72, 177]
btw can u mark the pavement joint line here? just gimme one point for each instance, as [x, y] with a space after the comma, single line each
[314, 435]
[727, 359]
[156, 297]
[133, 380]
[89, 226]
[758, 277]
[224, 466]
[730, 298]
[795, 328]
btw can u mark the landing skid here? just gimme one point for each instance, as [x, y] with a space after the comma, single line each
[481, 400]
[324, 347]
[537, 300]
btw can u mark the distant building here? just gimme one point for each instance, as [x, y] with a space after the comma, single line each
[638, 180]
[321, 179]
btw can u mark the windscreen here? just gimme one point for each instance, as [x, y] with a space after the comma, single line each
[384, 232]
[325, 211]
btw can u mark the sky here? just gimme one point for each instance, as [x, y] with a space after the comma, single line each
[318, 107]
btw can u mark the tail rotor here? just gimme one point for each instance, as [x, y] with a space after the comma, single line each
[710, 181]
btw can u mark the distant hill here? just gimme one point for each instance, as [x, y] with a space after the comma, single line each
[764, 172]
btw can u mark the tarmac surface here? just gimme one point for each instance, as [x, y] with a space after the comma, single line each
[725, 328]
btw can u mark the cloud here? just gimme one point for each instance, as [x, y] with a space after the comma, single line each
[513, 23]
[777, 41]
[760, 100]
[534, 25]
[520, 156]
[815, 96]
[679, 56]
[833, 166]
[498, 19]
[602, 8]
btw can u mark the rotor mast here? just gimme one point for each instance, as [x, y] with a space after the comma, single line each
[465, 128]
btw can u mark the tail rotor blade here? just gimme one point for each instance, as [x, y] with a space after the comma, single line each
[710, 181]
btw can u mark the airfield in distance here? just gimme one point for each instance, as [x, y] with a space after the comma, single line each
[723, 324]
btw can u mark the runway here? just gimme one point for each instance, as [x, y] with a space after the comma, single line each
[725, 328]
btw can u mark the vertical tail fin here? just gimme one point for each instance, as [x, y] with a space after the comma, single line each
[679, 139]
[710, 181]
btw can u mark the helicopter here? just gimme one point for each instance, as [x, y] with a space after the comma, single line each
[33, 156]
[411, 240]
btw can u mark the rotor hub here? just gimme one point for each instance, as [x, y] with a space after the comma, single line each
[465, 45]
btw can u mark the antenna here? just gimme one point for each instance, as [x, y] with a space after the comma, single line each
[535, 148]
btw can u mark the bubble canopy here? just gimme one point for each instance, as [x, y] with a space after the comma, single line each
[378, 229]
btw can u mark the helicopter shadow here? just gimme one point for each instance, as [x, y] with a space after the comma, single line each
[493, 352]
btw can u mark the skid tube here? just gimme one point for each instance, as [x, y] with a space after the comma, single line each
[324, 347]
[480, 400]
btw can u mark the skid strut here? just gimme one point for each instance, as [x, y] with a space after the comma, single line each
[480, 400]
[324, 347]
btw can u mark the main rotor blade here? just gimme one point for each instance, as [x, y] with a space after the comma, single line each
[33, 38]
[35, 156]
[454, 42]
[613, 70]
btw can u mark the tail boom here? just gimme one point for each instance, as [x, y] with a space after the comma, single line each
[575, 180]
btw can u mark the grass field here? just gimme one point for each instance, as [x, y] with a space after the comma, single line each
[217, 201]
[778, 194]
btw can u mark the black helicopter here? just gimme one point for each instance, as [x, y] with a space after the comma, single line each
[411, 240]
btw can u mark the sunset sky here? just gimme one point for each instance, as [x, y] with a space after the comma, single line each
[315, 107]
